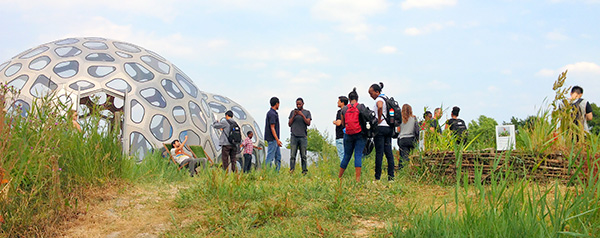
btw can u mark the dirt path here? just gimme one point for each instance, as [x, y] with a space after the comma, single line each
[134, 211]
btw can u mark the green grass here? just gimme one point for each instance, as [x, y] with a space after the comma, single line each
[47, 166]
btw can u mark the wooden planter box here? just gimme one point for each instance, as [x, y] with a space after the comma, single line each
[541, 168]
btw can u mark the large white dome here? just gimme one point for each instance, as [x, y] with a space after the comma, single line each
[159, 102]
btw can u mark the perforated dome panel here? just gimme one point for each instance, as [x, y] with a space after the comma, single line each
[160, 103]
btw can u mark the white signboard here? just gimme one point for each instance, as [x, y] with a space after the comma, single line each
[505, 137]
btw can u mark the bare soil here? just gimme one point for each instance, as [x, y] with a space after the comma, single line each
[130, 211]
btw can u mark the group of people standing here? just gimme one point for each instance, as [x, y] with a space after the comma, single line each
[351, 137]
[351, 133]
[298, 121]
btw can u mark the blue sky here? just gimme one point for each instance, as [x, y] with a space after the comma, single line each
[493, 58]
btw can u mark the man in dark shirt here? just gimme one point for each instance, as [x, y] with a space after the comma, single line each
[583, 106]
[299, 122]
[339, 128]
[272, 134]
[457, 126]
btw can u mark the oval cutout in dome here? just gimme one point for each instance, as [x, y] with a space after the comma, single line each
[42, 86]
[138, 72]
[179, 114]
[246, 128]
[100, 71]
[193, 138]
[221, 98]
[197, 117]
[18, 83]
[123, 54]
[95, 38]
[239, 112]
[137, 111]
[35, 52]
[67, 69]
[156, 64]
[127, 47]
[119, 85]
[161, 128]
[13, 69]
[217, 107]
[39, 63]
[95, 45]
[154, 97]
[257, 128]
[67, 41]
[81, 85]
[102, 57]
[172, 89]
[118, 102]
[188, 87]
[138, 145]
[67, 51]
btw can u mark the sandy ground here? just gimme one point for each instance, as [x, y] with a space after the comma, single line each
[138, 211]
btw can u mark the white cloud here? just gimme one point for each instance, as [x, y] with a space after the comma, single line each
[162, 9]
[438, 85]
[588, 68]
[493, 89]
[436, 4]
[171, 46]
[583, 1]
[351, 14]
[304, 54]
[302, 78]
[414, 31]
[556, 35]
[388, 49]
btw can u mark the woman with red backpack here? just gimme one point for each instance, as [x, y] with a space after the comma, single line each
[354, 140]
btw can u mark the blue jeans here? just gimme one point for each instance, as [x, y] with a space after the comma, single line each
[354, 143]
[274, 153]
[295, 144]
[339, 144]
[383, 145]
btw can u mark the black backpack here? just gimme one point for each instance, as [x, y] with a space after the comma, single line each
[392, 120]
[235, 133]
[459, 128]
[577, 115]
[368, 121]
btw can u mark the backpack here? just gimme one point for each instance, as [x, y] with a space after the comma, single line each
[459, 128]
[577, 115]
[235, 133]
[351, 120]
[369, 146]
[393, 115]
[368, 122]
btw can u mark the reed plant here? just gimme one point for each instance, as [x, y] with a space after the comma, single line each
[47, 164]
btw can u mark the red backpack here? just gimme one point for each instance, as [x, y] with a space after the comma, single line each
[351, 120]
